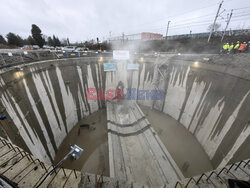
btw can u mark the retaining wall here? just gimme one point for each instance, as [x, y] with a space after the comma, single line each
[44, 100]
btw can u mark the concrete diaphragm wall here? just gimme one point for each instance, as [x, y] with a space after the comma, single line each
[44, 100]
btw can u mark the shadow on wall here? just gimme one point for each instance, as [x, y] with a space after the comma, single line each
[45, 102]
[213, 106]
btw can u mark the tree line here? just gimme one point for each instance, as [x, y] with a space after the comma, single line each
[36, 38]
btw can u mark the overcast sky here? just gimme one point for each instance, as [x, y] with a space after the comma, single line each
[82, 20]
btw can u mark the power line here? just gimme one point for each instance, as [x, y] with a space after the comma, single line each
[194, 22]
[177, 15]
[206, 24]
[194, 18]
[201, 21]
[196, 25]
[187, 24]
[179, 21]
[241, 8]
[238, 16]
[208, 15]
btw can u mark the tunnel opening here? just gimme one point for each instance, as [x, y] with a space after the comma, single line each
[202, 122]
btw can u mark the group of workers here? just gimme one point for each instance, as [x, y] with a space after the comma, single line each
[237, 48]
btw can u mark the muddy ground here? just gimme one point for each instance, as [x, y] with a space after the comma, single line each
[94, 141]
[182, 145]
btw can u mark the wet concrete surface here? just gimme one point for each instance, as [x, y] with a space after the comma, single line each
[44, 100]
[136, 153]
[94, 142]
[186, 151]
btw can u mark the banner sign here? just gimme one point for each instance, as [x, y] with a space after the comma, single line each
[120, 54]
[133, 66]
[109, 67]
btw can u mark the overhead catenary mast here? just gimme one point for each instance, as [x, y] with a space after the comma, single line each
[227, 25]
[167, 29]
[217, 14]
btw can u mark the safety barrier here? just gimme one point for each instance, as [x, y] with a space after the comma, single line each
[217, 174]
[209, 177]
[30, 158]
[8, 59]
[82, 54]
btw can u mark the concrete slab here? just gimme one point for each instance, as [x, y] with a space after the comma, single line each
[136, 152]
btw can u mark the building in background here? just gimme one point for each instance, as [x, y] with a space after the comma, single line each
[151, 36]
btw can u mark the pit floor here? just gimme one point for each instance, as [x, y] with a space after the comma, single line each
[181, 144]
[94, 141]
[186, 151]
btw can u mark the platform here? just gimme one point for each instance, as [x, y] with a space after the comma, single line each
[136, 154]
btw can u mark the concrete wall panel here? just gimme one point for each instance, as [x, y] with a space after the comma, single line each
[45, 100]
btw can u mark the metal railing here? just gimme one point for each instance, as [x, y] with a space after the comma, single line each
[209, 175]
[18, 58]
[99, 180]
[30, 158]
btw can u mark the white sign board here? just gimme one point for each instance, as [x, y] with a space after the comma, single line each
[120, 54]
[10, 54]
[25, 53]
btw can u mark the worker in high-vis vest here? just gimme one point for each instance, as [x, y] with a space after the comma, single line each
[231, 47]
[236, 47]
[225, 48]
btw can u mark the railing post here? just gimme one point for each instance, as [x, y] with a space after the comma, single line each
[178, 183]
[64, 172]
[75, 173]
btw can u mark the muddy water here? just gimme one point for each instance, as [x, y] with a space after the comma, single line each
[181, 144]
[94, 142]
